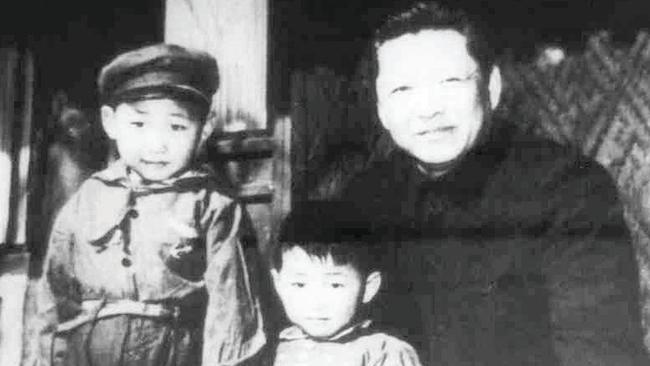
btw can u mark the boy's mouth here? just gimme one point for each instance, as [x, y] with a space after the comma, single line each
[157, 163]
[317, 319]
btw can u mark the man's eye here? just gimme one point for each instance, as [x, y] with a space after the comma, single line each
[176, 127]
[137, 124]
[451, 81]
[298, 284]
[336, 285]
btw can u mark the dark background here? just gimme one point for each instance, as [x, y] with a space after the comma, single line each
[71, 39]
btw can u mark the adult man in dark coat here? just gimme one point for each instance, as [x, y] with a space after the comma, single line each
[513, 249]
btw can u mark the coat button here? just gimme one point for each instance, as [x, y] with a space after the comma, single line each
[133, 213]
[126, 262]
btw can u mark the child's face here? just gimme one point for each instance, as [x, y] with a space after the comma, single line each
[156, 138]
[319, 296]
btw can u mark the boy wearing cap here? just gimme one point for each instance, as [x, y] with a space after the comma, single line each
[326, 273]
[144, 265]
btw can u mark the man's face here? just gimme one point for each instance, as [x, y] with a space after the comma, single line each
[318, 295]
[428, 94]
[156, 138]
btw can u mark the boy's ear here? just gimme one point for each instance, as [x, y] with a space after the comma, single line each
[373, 283]
[108, 121]
[494, 87]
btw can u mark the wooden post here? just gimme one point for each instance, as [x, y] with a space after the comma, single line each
[24, 154]
[8, 65]
[235, 32]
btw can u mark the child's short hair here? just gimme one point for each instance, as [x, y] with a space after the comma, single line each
[160, 71]
[330, 228]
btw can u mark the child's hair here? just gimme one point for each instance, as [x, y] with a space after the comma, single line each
[196, 108]
[329, 228]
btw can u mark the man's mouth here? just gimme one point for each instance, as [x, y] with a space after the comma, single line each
[436, 131]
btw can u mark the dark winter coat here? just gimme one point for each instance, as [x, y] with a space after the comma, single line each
[518, 256]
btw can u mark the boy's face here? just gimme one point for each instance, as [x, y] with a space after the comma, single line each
[156, 138]
[320, 296]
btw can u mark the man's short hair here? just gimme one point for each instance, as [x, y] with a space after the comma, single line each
[329, 228]
[431, 15]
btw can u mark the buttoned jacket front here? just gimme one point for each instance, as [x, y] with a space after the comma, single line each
[173, 242]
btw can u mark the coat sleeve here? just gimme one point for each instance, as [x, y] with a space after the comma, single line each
[393, 352]
[56, 295]
[233, 330]
[591, 273]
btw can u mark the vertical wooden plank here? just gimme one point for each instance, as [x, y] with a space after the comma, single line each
[235, 32]
[281, 175]
[13, 284]
[298, 135]
[8, 62]
[24, 154]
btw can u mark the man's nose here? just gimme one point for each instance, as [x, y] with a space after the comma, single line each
[428, 102]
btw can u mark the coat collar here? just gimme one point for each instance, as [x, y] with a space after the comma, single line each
[116, 174]
[294, 332]
[120, 197]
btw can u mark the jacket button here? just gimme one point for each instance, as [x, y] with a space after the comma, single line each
[133, 213]
[126, 262]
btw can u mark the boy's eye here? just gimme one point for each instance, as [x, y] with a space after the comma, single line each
[298, 284]
[401, 88]
[137, 124]
[336, 284]
[177, 127]
[452, 80]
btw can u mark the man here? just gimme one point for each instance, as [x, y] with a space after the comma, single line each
[513, 249]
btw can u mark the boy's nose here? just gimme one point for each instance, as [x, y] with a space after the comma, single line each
[156, 142]
[316, 302]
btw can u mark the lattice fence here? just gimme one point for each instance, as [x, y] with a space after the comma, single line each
[600, 101]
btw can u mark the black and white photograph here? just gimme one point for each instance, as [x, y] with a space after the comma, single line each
[316, 183]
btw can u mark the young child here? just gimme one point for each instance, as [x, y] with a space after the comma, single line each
[144, 265]
[325, 273]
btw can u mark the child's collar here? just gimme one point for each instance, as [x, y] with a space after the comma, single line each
[294, 332]
[118, 173]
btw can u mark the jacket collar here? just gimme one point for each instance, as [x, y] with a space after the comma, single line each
[118, 200]
[294, 332]
[117, 174]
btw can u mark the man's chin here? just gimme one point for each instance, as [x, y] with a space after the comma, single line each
[436, 158]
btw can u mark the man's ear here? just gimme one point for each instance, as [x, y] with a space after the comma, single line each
[373, 283]
[381, 115]
[494, 87]
[108, 121]
[276, 277]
